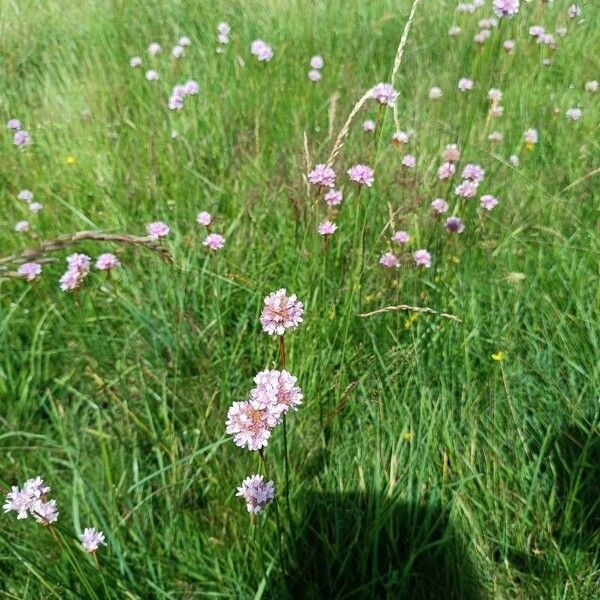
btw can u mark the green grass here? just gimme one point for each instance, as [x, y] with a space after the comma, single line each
[419, 466]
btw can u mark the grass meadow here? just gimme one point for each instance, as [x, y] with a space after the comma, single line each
[440, 456]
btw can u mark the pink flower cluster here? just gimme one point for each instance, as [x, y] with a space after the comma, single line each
[384, 93]
[21, 137]
[77, 270]
[281, 312]
[180, 92]
[316, 64]
[256, 492]
[31, 499]
[322, 176]
[261, 50]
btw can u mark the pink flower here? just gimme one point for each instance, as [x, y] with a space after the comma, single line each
[277, 392]
[223, 28]
[446, 171]
[400, 137]
[157, 230]
[281, 312]
[488, 202]
[466, 189]
[14, 124]
[184, 41]
[25, 195]
[536, 30]
[29, 270]
[322, 175]
[154, 48]
[574, 11]
[531, 136]
[454, 31]
[508, 45]
[401, 237]
[334, 197]
[250, 426]
[256, 492]
[454, 225]
[506, 8]
[135, 61]
[482, 36]
[91, 539]
[389, 261]
[317, 62]
[152, 75]
[45, 512]
[435, 93]
[22, 226]
[261, 50]
[21, 138]
[222, 39]
[107, 262]
[361, 174]
[409, 161]
[214, 241]
[451, 153]
[439, 206]
[422, 258]
[495, 137]
[204, 218]
[464, 84]
[473, 172]
[327, 228]
[35, 207]
[79, 262]
[368, 126]
[314, 75]
[494, 95]
[191, 87]
[384, 93]
[574, 114]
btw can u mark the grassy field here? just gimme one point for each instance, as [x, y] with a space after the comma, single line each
[432, 457]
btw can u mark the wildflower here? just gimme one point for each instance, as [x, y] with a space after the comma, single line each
[261, 50]
[422, 258]
[222, 39]
[574, 114]
[19, 501]
[499, 356]
[327, 228]
[409, 161]
[79, 262]
[152, 75]
[204, 218]
[91, 539]
[466, 189]
[361, 174]
[488, 202]
[435, 93]
[276, 391]
[454, 225]
[439, 206]
[334, 197]
[322, 175]
[514, 160]
[45, 513]
[250, 426]
[29, 270]
[214, 241]
[446, 170]
[464, 84]
[451, 153]
[384, 93]
[389, 260]
[574, 11]
[494, 95]
[482, 36]
[175, 102]
[536, 30]
[314, 75]
[488, 23]
[561, 31]
[368, 126]
[135, 61]
[191, 87]
[401, 237]
[70, 160]
[70, 280]
[256, 492]
[22, 226]
[496, 110]
[223, 28]
[317, 62]
[400, 137]
[154, 48]
[454, 31]
[107, 262]
[177, 51]
[506, 8]
[35, 207]
[473, 172]
[508, 45]
[184, 41]
[495, 137]
[157, 230]
[531, 137]
[591, 86]
[25, 195]
[14, 124]
[281, 312]
[21, 138]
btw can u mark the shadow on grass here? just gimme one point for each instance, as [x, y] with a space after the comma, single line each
[363, 546]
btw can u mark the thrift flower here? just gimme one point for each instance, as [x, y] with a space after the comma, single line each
[446, 171]
[204, 218]
[422, 258]
[322, 175]
[191, 87]
[154, 48]
[21, 138]
[451, 153]
[334, 197]
[439, 206]
[435, 93]
[361, 174]
[514, 160]
[368, 126]
[29, 270]
[22, 226]
[401, 237]
[91, 539]
[531, 137]
[223, 28]
[14, 124]
[506, 8]
[45, 513]
[473, 172]
[250, 426]
[400, 137]
[327, 228]
[385, 94]
[409, 161]
[464, 84]
[184, 41]
[135, 61]
[261, 50]
[214, 241]
[107, 262]
[574, 11]
[35, 207]
[256, 492]
[152, 75]
[508, 45]
[454, 225]
[389, 261]
[157, 230]
[314, 75]
[488, 202]
[281, 312]
[317, 62]
[466, 189]
[574, 114]
[277, 392]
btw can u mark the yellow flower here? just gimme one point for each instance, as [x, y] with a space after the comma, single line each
[529, 146]
[70, 160]
[408, 322]
[499, 356]
[407, 435]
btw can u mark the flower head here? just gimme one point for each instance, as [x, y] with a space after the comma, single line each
[488, 202]
[35, 207]
[277, 392]
[21, 138]
[261, 50]
[384, 93]
[91, 539]
[389, 260]
[250, 426]
[107, 262]
[191, 87]
[45, 513]
[466, 189]
[400, 137]
[25, 195]
[322, 175]
[184, 41]
[314, 75]
[22, 226]
[446, 170]
[464, 84]
[531, 136]
[281, 312]
[29, 270]
[214, 241]
[508, 45]
[178, 51]
[204, 218]
[326, 228]
[152, 75]
[591, 86]
[574, 11]
[135, 61]
[494, 95]
[439, 206]
[14, 124]
[451, 153]
[157, 230]
[422, 258]
[317, 62]
[256, 492]
[401, 237]
[506, 8]
[154, 48]
[435, 93]
[334, 197]
[454, 225]
[361, 174]
[473, 172]
[409, 161]
[368, 126]
[574, 114]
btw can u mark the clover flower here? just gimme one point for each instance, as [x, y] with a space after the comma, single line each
[361, 174]
[107, 262]
[389, 260]
[322, 176]
[334, 197]
[514, 160]
[384, 93]
[261, 50]
[454, 31]
[157, 230]
[422, 258]
[91, 539]
[214, 241]
[494, 95]
[224, 28]
[29, 270]
[256, 492]
[281, 312]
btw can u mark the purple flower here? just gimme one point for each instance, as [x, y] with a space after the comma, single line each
[451, 153]
[389, 260]
[482, 36]
[384, 93]
[446, 170]
[531, 136]
[574, 114]
[25, 195]
[409, 161]
[91, 539]
[107, 262]
[322, 175]
[422, 258]
[536, 30]
[506, 8]
[473, 172]
[21, 138]
[152, 75]
[334, 197]
[204, 218]
[191, 87]
[508, 45]
[79, 262]
[175, 102]
[439, 206]
[261, 50]
[22, 226]
[464, 84]
[214, 241]
[45, 513]
[250, 426]
[35, 207]
[256, 492]
[326, 228]
[29, 270]
[277, 392]
[316, 62]
[401, 237]
[488, 202]
[314, 75]
[361, 174]
[368, 126]
[466, 189]
[14, 124]
[454, 225]
[157, 230]
[223, 28]
[281, 312]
